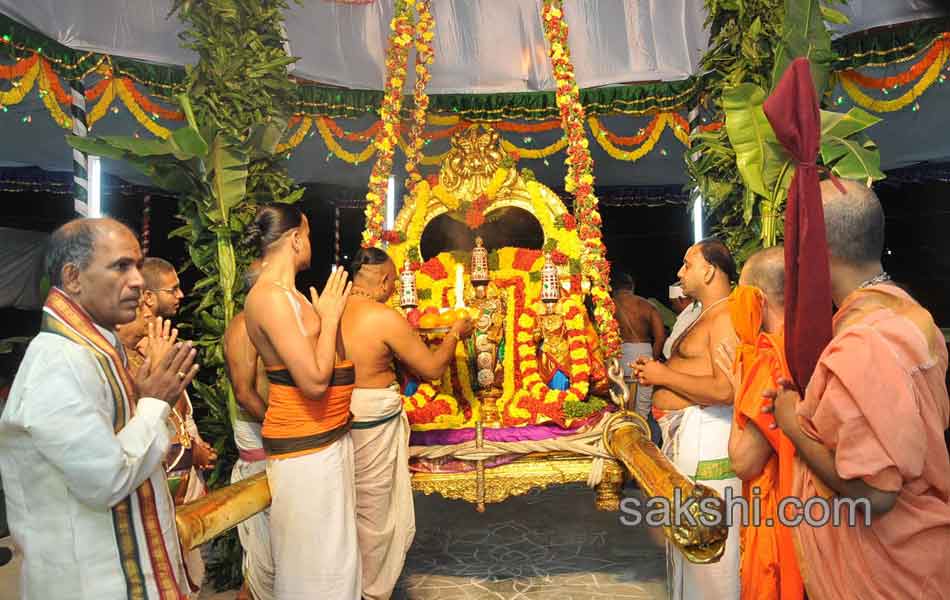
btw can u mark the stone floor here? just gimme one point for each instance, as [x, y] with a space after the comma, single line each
[552, 544]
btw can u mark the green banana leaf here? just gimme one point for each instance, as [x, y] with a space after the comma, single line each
[188, 143]
[263, 139]
[846, 124]
[97, 147]
[760, 157]
[833, 16]
[804, 34]
[849, 157]
[227, 175]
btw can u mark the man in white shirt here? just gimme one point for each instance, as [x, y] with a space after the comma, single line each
[82, 440]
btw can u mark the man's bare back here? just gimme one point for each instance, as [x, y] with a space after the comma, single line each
[374, 334]
[245, 368]
[365, 327]
[635, 317]
[692, 355]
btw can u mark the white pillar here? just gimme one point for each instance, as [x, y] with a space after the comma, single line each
[698, 219]
[94, 170]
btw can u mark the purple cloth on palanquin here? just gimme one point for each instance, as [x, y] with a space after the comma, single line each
[450, 437]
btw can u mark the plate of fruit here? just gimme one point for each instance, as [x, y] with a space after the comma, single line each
[432, 320]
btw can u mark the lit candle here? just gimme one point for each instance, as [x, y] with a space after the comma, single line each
[459, 286]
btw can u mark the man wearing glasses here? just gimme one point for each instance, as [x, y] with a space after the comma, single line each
[190, 454]
[162, 294]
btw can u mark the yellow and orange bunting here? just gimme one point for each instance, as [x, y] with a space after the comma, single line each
[127, 98]
[929, 67]
[305, 123]
[654, 130]
[51, 104]
[22, 86]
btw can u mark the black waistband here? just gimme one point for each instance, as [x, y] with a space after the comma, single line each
[345, 375]
[278, 446]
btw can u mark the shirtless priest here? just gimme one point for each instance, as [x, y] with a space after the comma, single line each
[693, 402]
[373, 335]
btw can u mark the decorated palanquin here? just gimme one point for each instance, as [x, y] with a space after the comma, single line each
[487, 240]
[526, 403]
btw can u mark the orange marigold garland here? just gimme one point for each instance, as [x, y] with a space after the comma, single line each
[425, 54]
[397, 58]
[580, 178]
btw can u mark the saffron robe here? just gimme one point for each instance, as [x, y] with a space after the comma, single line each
[768, 567]
[878, 400]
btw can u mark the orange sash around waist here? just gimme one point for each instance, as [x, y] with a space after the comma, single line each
[295, 425]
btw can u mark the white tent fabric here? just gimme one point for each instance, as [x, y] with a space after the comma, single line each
[481, 46]
[867, 14]
[21, 268]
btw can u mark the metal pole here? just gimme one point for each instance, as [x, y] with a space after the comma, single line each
[80, 160]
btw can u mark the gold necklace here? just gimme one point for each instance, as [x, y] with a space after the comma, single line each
[706, 308]
[361, 292]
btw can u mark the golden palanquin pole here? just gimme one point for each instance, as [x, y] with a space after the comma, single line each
[208, 517]
[627, 437]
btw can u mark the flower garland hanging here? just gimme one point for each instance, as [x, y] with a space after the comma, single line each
[654, 131]
[580, 178]
[21, 86]
[425, 54]
[125, 95]
[338, 151]
[48, 95]
[397, 58]
[850, 82]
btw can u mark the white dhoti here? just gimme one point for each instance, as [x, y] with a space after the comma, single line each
[313, 524]
[195, 489]
[631, 352]
[194, 562]
[258, 564]
[699, 448]
[386, 521]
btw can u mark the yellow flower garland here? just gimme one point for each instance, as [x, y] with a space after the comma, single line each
[535, 153]
[99, 110]
[21, 88]
[425, 54]
[117, 87]
[876, 105]
[305, 124]
[340, 152]
[629, 155]
[49, 101]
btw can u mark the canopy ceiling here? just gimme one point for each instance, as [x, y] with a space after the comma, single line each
[480, 46]
[484, 46]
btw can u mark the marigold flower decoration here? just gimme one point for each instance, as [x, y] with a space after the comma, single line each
[580, 179]
[397, 59]
[425, 55]
[475, 215]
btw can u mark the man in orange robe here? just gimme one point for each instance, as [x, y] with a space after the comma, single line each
[871, 426]
[761, 455]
